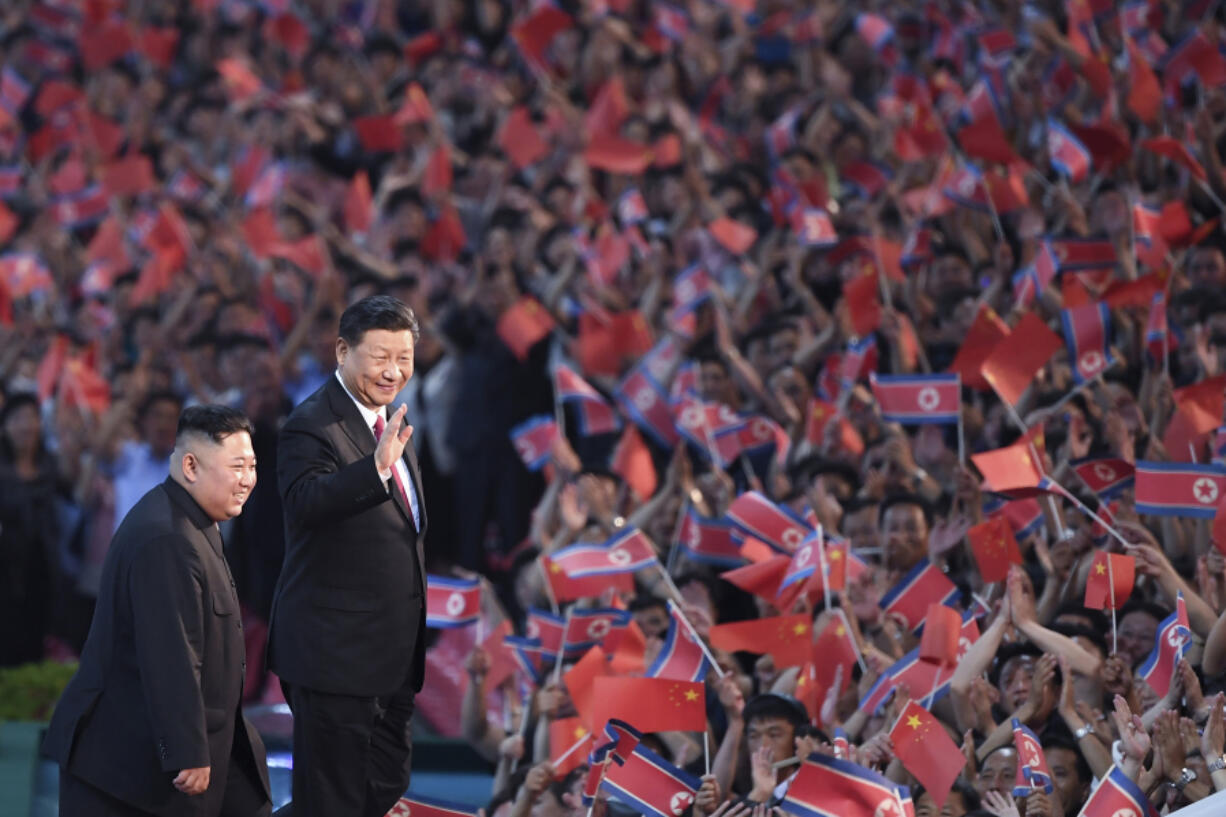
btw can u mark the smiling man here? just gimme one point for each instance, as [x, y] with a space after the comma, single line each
[151, 723]
[348, 616]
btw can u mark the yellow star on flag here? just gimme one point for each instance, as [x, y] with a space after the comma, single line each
[800, 629]
[580, 732]
[835, 555]
[913, 721]
[1099, 569]
[691, 695]
[840, 630]
[554, 568]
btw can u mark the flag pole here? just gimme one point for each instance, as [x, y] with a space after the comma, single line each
[673, 607]
[1115, 647]
[821, 557]
[987, 195]
[961, 433]
[668, 581]
[1067, 494]
[706, 751]
[553, 603]
[856, 641]
[572, 749]
[674, 544]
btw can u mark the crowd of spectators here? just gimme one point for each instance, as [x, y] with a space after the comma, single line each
[192, 192]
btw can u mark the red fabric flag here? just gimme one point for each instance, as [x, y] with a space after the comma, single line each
[423, 46]
[8, 223]
[129, 176]
[985, 334]
[942, 630]
[1012, 470]
[102, 45]
[1204, 402]
[520, 139]
[985, 139]
[994, 547]
[666, 152]
[651, 704]
[608, 110]
[564, 733]
[1120, 575]
[617, 155]
[437, 177]
[359, 208]
[379, 134]
[159, 45]
[1177, 152]
[1144, 92]
[534, 34]
[81, 385]
[760, 578]
[580, 682]
[632, 462]
[290, 32]
[1010, 367]
[416, 107]
[49, 368]
[787, 639]
[240, 81]
[563, 588]
[927, 751]
[863, 305]
[523, 325]
[732, 235]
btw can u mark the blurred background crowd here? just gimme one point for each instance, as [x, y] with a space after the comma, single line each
[608, 209]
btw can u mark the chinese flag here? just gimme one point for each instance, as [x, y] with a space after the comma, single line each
[985, 333]
[927, 751]
[1204, 402]
[787, 639]
[1010, 367]
[8, 223]
[596, 348]
[564, 733]
[1121, 573]
[437, 176]
[863, 306]
[520, 139]
[523, 325]
[129, 176]
[995, 548]
[1144, 92]
[359, 209]
[580, 679]
[628, 656]
[378, 134]
[632, 462]
[942, 629]
[1010, 470]
[651, 704]
[762, 578]
[502, 663]
[732, 235]
[617, 155]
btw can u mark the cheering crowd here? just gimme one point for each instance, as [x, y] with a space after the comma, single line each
[818, 405]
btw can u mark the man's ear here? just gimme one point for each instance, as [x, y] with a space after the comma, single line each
[191, 466]
[342, 349]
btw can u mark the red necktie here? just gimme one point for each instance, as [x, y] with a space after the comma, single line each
[379, 426]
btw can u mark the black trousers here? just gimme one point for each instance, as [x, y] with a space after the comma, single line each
[242, 798]
[351, 753]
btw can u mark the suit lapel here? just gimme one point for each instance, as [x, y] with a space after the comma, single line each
[350, 418]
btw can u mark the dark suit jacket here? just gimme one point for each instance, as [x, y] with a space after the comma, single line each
[348, 616]
[161, 675]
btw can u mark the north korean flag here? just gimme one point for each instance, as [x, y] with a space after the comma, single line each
[1117, 795]
[1025, 516]
[528, 656]
[752, 514]
[595, 415]
[1033, 773]
[685, 384]
[917, 249]
[626, 552]
[1157, 331]
[533, 440]
[1069, 157]
[997, 42]
[712, 428]
[807, 560]
[547, 628]
[663, 359]
[829, 787]
[646, 403]
[1087, 332]
[866, 178]
[918, 399]
[924, 584]
[1030, 282]
[691, 287]
[681, 658]
[859, 359]
[1083, 254]
[651, 785]
[672, 22]
[879, 34]
[452, 602]
[1147, 232]
[781, 134]
[965, 187]
[585, 629]
[708, 540]
[14, 91]
[414, 805]
[632, 208]
[1105, 476]
[1179, 489]
[813, 227]
[922, 678]
[1172, 641]
[81, 209]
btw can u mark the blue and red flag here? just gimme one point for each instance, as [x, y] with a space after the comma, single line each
[918, 399]
[708, 540]
[1157, 330]
[1171, 642]
[1033, 773]
[965, 187]
[919, 676]
[917, 249]
[452, 602]
[752, 514]
[651, 785]
[712, 428]
[1069, 157]
[627, 551]
[692, 286]
[632, 208]
[1117, 795]
[858, 360]
[923, 585]
[671, 21]
[14, 92]
[681, 658]
[865, 178]
[1087, 333]
[546, 628]
[81, 209]
[1083, 254]
[1025, 516]
[415, 805]
[829, 787]
[813, 227]
[533, 440]
[684, 387]
[781, 134]
[646, 403]
[584, 629]
[1179, 489]
[528, 656]
[879, 34]
[808, 559]
[1105, 476]
[595, 415]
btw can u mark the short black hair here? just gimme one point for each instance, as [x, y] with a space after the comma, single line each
[770, 705]
[1006, 654]
[158, 397]
[377, 312]
[1055, 739]
[645, 602]
[905, 499]
[213, 421]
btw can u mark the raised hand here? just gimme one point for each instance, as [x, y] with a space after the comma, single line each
[391, 445]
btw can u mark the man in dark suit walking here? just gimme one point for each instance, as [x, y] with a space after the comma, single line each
[151, 723]
[348, 618]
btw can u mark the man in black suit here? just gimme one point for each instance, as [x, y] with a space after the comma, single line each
[348, 618]
[151, 723]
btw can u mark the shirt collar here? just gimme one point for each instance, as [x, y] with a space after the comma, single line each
[368, 415]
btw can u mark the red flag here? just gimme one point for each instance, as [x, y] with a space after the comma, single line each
[129, 176]
[520, 139]
[617, 155]
[923, 585]
[437, 177]
[942, 631]
[927, 751]
[826, 786]
[608, 110]
[632, 462]
[755, 515]
[1010, 367]
[524, 325]
[985, 334]
[994, 547]
[563, 588]
[240, 81]
[359, 209]
[104, 44]
[379, 134]
[534, 34]
[787, 639]
[580, 683]
[651, 704]
[760, 578]
[861, 294]
[732, 235]
[1103, 578]
[1144, 92]
[416, 107]
[564, 734]
[1012, 470]
[1177, 152]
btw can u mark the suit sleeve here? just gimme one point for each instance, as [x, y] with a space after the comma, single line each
[316, 489]
[166, 587]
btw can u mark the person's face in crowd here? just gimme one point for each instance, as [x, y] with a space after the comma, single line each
[378, 366]
[998, 772]
[1014, 684]
[1207, 268]
[860, 528]
[776, 734]
[159, 424]
[757, 352]
[789, 385]
[835, 485]
[783, 346]
[954, 806]
[715, 384]
[262, 387]
[950, 272]
[905, 533]
[23, 429]
[219, 476]
[1109, 213]
[1135, 636]
[1069, 785]
[548, 805]
[653, 621]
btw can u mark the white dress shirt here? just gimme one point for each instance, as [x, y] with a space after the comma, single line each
[368, 417]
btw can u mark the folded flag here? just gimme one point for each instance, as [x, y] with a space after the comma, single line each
[1110, 580]
[708, 540]
[1172, 641]
[917, 399]
[762, 579]
[650, 785]
[595, 415]
[1117, 796]
[534, 439]
[1033, 773]
[826, 786]
[627, 551]
[1087, 332]
[588, 628]
[653, 704]
[1179, 489]
[994, 547]
[787, 639]
[927, 751]
[414, 805]
[752, 514]
[681, 658]
[1105, 476]
[452, 602]
[923, 585]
